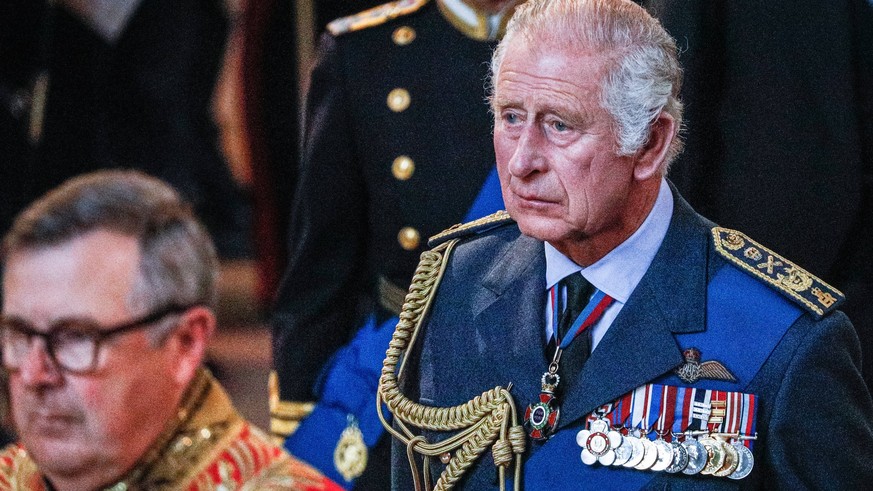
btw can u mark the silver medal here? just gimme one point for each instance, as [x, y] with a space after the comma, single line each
[680, 458]
[624, 451]
[638, 451]
[665, 455]
[696, 456]
[650, 457]
[747, 461]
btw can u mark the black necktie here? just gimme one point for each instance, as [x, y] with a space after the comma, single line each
[573, 358]
[578, 290]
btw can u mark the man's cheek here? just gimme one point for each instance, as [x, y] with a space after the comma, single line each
[102, 408]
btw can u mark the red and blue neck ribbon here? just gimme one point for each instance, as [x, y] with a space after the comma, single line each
[589, 316]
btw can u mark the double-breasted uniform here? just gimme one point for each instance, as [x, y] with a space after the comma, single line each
[773, 327]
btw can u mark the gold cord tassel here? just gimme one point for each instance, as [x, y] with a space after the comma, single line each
[486, 421]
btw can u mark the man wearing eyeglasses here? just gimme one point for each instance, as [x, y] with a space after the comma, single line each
[108, 288]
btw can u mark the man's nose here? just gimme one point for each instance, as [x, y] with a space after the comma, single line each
[38, 368]
[528, 157]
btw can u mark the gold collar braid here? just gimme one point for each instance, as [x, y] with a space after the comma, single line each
[190, 402]
[488, 420]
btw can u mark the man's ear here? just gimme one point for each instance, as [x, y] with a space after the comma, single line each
[189, 341]
[650, 159]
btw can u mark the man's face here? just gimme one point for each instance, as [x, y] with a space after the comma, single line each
[556, 156]
[102, 420]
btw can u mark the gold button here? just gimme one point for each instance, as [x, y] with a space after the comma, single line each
[408, 238]
[403, 35]
[402, 168]
[398, 100]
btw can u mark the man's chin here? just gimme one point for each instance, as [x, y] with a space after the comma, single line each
[59, 456]
[544, 229]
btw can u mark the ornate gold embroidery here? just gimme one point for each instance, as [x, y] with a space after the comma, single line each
[796, 279]
[777, 271]
[753, 253]
[461, 228]
[770, 264]
[374, 16]
[211, 448]
[733, 241]
[824, 298]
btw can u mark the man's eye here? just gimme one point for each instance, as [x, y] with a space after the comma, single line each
[560, 126]
[511, 118]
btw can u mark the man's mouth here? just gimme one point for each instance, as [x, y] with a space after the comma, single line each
[533, 199]
[51, 423]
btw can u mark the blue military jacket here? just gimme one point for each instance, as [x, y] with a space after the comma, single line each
[801, 360]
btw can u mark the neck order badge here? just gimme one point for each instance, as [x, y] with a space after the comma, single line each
[541, 417]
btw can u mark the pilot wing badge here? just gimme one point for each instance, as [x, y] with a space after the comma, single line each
[693, 370]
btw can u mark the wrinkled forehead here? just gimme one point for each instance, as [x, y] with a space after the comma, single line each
[550, 68]
[89, 276]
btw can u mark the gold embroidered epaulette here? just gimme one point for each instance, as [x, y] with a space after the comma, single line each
[374, 16]
[476, 226]
[813, 294]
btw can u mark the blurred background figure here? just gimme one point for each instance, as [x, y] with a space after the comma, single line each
[89, 84]
[256, 106]
[121, 83]
[396, 147]
[779, 108]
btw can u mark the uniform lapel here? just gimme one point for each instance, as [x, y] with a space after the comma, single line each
[640, 346]
[512, 322]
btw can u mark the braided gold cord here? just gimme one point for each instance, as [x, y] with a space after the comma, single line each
[482, 421]
[471, 449]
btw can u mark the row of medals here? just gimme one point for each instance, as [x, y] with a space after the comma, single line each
[699, 453]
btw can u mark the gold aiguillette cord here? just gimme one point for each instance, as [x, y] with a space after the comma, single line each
[488, 420]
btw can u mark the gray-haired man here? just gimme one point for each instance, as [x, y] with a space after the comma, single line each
[108, 291]
[645, 346]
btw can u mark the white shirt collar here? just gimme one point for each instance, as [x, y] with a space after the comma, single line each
[618, 272]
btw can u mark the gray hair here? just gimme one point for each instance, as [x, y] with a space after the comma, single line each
[178, 263]
[642, 76]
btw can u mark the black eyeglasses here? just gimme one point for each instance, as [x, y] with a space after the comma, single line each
[74, 344]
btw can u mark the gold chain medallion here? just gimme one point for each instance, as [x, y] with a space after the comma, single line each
[350, 455]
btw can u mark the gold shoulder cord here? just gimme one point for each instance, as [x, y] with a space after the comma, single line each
[488, 420]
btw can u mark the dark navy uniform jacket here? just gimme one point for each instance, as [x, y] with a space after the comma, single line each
[378, 176]
[814, 418]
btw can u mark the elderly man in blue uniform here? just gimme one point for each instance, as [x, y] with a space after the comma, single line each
[396, 148]
[622, 340]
